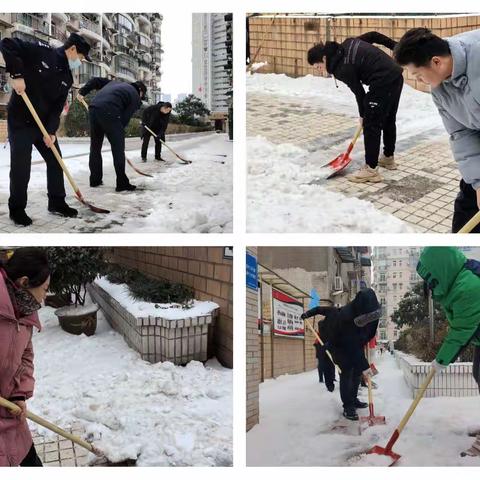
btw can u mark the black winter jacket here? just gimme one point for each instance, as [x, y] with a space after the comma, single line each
[357, 63]
[116, 99]
[345, 340]
[47, 77]
[154, 119]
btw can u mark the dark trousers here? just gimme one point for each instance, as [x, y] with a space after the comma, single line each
[476, 366]
[380, 115]
[158, 144]
[22, 141]
[102, 125]
[320, 369]
[349, 383]
[32, 459]
[465, 207]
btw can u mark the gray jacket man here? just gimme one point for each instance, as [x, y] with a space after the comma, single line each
[452, 67]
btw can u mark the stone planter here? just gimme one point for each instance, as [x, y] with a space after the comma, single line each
[78, 320]
[158, 339]
[56, 301]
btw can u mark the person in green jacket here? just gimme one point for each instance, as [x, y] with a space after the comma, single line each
[456, 285]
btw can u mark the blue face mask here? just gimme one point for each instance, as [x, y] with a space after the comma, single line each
[74, 64]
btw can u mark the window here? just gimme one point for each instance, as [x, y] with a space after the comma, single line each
[394, 263]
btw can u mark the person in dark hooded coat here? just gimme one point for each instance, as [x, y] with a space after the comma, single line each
[156, 118]
[356, 62]
[346, 330]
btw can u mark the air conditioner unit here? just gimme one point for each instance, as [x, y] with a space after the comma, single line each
[338, 284]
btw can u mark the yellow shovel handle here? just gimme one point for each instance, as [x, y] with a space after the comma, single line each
[471, 224]
[322, 344]
[369, 378]
[161, 141]
[51, 426]
[357, 134]
[414, 404]
[53, 147]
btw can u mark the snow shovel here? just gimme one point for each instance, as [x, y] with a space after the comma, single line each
[183, 160]
[396, 434]
[309, 325]
[85, 104]
[471, 224]
[50, 426]
[371, 420]
[343, 160]
[78, 194]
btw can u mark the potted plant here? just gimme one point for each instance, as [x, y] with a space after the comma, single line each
[73, 269]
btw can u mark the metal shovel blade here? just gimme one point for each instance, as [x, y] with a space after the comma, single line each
[377, 450]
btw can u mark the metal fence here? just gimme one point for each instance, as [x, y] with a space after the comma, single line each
[455, 381]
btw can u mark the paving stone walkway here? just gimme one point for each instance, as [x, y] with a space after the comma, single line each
[421, 192]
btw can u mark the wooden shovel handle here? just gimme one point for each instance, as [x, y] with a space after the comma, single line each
[162, 142]
[322, 344]
[369, 380]
[471, 224]
[418, 397]
[51, 426]
[53, 147]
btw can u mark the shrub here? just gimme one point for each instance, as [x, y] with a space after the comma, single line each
[73, 268]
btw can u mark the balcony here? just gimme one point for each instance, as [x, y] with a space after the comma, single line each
[144, 41]
[125, 67]
[38, 24]
[90, 29]
[60, 17]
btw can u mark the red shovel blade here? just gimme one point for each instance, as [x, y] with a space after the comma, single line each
[377, 450]
[376, 420]
[339, 163]
[93, 208]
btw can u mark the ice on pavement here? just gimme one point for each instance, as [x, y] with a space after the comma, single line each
[194, 198]
[297, 413]
[159, 414]
[280, 195]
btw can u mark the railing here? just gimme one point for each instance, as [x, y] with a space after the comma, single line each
[59, 34]
[88, 24]
[455, 381]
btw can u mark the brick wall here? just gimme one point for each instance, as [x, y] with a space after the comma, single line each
[290, 355]
[284, 44]
[253, 360]
[202, 268]
[3, 131]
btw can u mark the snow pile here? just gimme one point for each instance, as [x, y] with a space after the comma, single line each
[194, 198]
[371, 460]
[161, 414]
[297, 414]
[280, 198]
[141, 309]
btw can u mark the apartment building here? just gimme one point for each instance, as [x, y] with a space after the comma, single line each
[125, 46]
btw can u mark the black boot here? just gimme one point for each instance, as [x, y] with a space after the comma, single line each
[61, 208]
[20, 217]
[144, 159]
[160, 159]
[95, 183]
[350, 414]
[127, 187]
[359, 404]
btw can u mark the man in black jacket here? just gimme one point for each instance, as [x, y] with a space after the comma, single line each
[156, 118]
[357, 63]
[346, 330]
[110, 111]
[44, 73]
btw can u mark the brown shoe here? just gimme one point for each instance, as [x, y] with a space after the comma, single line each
[387, 162]
[365, 174]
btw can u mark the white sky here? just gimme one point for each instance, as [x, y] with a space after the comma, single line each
[177, 59]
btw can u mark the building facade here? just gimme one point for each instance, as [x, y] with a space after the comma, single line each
[211, 77]
[394, 274]
[124, 46]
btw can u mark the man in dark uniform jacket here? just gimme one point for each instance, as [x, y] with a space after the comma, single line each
[356, 63]
[156, 118]
[44, 73]
[110, 111]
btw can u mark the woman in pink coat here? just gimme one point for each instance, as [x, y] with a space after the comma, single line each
[24, 281]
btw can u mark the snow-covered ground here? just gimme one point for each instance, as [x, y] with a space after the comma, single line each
[179, 198]
[280, 196]
[297, 413]
[139, 308]
[159, 414]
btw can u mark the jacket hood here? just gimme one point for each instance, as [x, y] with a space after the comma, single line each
[365, 302]
[439, 267]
